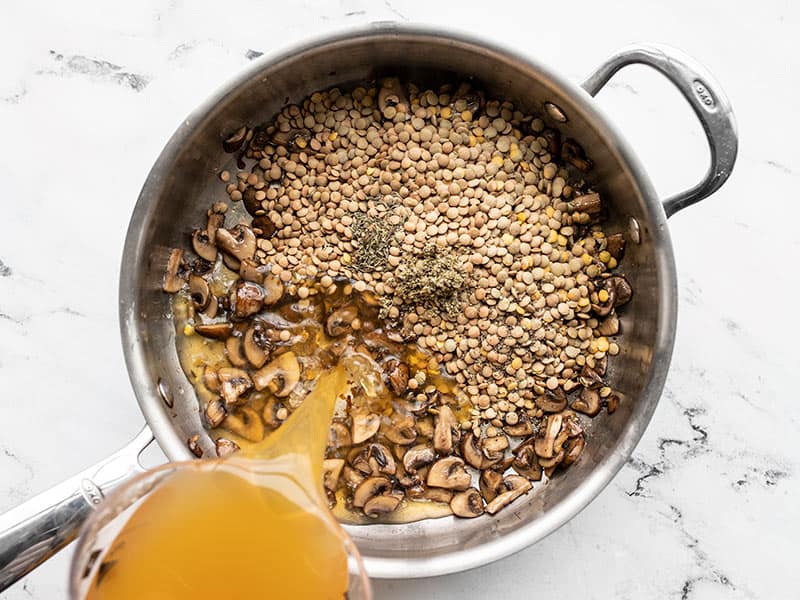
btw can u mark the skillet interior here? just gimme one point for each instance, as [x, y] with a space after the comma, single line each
[183, 184]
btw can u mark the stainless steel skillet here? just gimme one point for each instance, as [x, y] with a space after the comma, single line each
[182, 184]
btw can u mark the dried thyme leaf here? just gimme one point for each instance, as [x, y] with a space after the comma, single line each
[433, 280]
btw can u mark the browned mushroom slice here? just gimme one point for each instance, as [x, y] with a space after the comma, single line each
[294, 139]
[615, 244]
[256, 344]
[373, 459]
[572, 152]
[551, 464]
[449, 473]
[472, 452]
[369, 488]
[234, 351]
[553, 138]
[515, 487]
[382, 505]
[215, 221]
[489, 483]
[437, 495]
[331, 470]
[443, 433]
[263, 225]
[365, 425]
[425, 427]
[203, 246]
[522, 428]
[239, 241]
[525, 461]
[215, 412]
[544, 445]
[417, 457]
[274, 413]
[193, 443]
[339, 436]
[225, 447]
[397, 375]
[199, 292]
[214, 331]
[172, 281]
[588, 203]
[589, 378]
[251, 270]
[246, 299]
[494, 447]
[619, 288]
[609, 326]
[351, 477]
[340, 321]
[467, 504]
[273, 290]
[246, 423]
[280, 376]
[211, 379]
[235, 140]
[588, 402]
[573, 449]
[552, 401]
[612, 402]
[401, 431]
[233, 383]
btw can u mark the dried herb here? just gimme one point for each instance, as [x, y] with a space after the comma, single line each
[373, 235]
[433, 280]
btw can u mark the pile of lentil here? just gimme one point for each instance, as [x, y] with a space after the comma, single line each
[371, 183]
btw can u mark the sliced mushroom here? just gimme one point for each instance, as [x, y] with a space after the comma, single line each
[552, 402]
[588, 402]
[203, 246]
[550, 464]
[472, 452]
[609, 326]
[234, 141]
[515, 487]
[211, 379]
[398, 377]
[612, 402]
[193, 443]
[331, 470]
[437, 495]
[522, 428]
[417, 457]
[489, 483]
[273, 290]
[339, 321]
[467, 504]
[425, 427]
[365, 425]
[234, 351]
[588, 203]
[446, 424]
[233, 383]
[572, 152]
[392, 94]
[573, 449]
[589, 378]
[215, 413]
[402, 431]
[525, 461]
[449, 473]
[263, 225]
[215, 221]
[621, 289]
[246, 299]
[369, 488]
[615, 244]
[351, 477]
[281, 375]
[373, 459]
[383, 504]
[199, 292]
[546, 437]
[246, 423]
[256, 344]
[225, 447]
[553, 138]
[239, 241]
[494, 447]
[295, 139]
[251, 270]
[214, 331]
[172, 281]
[339, 436]
[274, 413]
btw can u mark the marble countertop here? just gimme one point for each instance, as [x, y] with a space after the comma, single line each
[704, 509]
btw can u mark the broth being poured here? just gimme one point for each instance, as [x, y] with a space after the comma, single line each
[256, 522]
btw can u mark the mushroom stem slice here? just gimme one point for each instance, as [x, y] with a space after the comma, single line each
[446, 423]
[281, 375]
[544, 445]
[331, 470]
[516, 486]
[449, 473]
[467, 504]
[172, 281]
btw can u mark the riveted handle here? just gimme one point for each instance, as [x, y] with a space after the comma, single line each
[38, 528]
[706, 98]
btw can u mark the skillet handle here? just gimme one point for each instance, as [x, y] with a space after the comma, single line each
[706, 98]
[38, 528]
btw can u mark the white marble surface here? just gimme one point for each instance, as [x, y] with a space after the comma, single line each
[707, 507]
